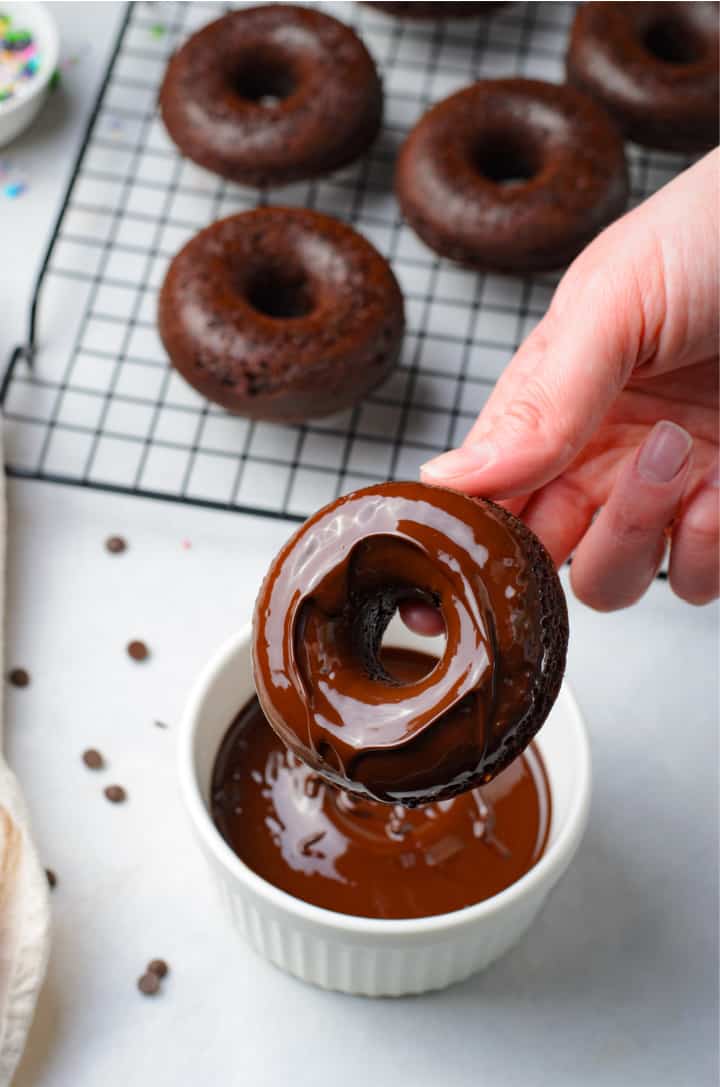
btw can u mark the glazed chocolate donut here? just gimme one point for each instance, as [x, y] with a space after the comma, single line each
[512, 175]
[272, 94]
[654, 67]
[320, 618]
[281, 314]
[435, 11]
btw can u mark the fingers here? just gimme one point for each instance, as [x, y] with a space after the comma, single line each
[421, 618]
[557, 388]
[559, 514]
[683, 328]
[642, 298]
[620, 554]
[515, 505]
[694, 558]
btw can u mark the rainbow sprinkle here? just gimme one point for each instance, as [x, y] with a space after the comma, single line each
[11, 188]
[14, 189]
[19, 60]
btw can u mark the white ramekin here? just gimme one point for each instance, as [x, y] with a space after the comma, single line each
[365, 955]
[17, 114]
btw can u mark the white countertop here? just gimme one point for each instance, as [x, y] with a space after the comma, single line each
[615, 984]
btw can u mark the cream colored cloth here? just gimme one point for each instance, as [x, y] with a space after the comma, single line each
[24, 904]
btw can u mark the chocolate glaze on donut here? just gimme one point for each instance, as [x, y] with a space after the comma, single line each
[512, 175]
[281, 314]
[654, 67]
[320, 618]
[272, 94]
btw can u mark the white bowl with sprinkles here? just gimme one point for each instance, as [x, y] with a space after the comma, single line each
[29, 47]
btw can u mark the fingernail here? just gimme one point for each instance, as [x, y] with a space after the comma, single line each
[664, 452]
[457, 462]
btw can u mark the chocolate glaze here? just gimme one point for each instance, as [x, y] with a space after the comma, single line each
[272, 94]
[356, 856]
[320, 618]
[654, 67]
[281, 314]
[512, 175]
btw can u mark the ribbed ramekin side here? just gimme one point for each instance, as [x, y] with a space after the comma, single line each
[332, 959]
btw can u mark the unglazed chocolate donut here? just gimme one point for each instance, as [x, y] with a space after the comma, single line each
[324, 606]
[654, 67]
[281, 314]
[272, 94]
[512, 175]
[435, 11]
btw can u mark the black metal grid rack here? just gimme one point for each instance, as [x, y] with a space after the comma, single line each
[90, 398]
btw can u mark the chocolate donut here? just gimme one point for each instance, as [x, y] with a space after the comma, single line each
[281, 313]
[512, 175]
[435, 11]
[654, 67]
[320, 618]
[272, 94]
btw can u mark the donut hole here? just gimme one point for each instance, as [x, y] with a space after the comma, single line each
[280, 293]
[506, 158]
[425, 618]
[264, 79]
[673, 41]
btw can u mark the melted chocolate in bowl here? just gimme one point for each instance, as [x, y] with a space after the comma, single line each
[358, 856]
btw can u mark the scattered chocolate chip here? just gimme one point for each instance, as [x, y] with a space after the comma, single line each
[19, 677]
[51, 878]
[93, 759]
[158, 967]
[149, 984]
[115, 794]
[138, 651]
[115, 545]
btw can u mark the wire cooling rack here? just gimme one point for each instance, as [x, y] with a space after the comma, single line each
[91, 399]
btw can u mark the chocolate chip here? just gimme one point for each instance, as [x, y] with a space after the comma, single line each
[138, 651]
[115, 794]
[51, 878]
[19, 677]
[149, 984]
[160, 724]
[93, 759]
[115, 545]
[158, 967]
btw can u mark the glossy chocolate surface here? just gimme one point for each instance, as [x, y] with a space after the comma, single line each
[356, 856]
[327, 600]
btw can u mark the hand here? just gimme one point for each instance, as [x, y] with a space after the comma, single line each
[609, 408]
